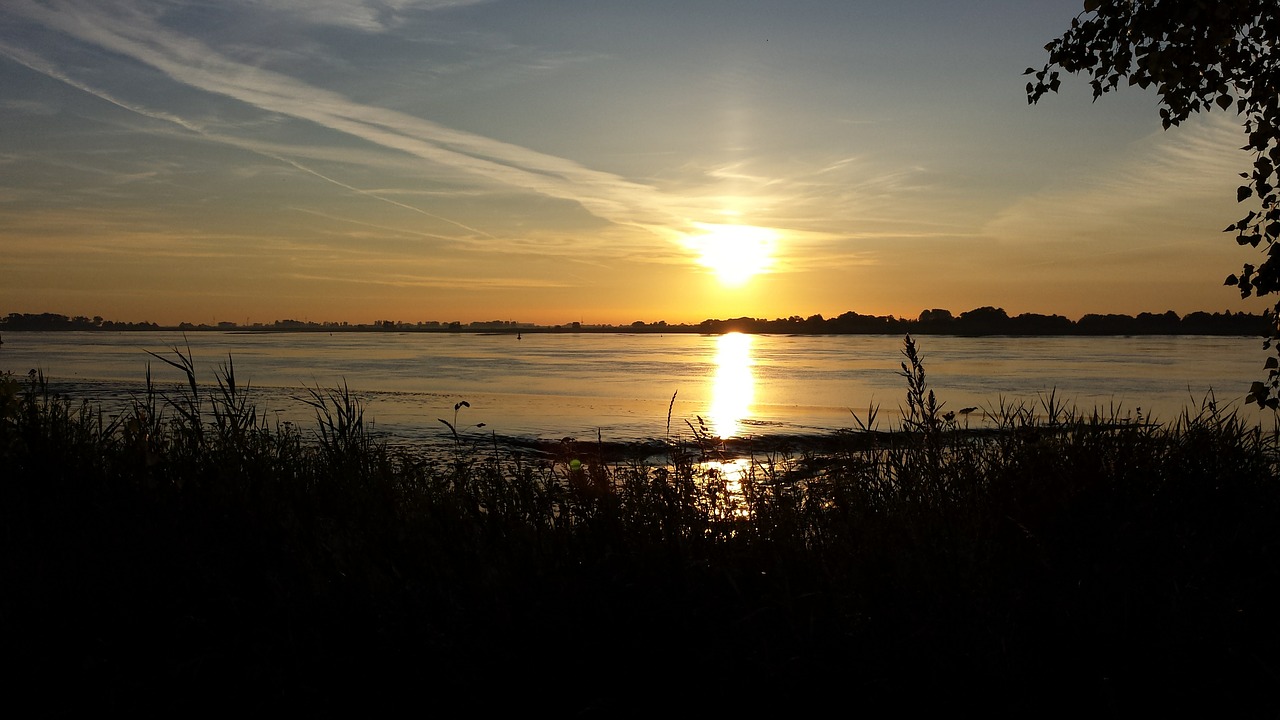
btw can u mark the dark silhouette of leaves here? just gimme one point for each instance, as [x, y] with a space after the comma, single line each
[1199, 55]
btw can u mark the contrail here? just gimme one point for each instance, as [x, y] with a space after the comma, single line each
[195, 64]
[44, 68]
[420, 233]
[373, 195]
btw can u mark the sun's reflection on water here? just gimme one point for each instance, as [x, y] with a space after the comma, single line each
[733, 386]
[722, 481]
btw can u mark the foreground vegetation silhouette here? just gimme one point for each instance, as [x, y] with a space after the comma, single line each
[191, 556]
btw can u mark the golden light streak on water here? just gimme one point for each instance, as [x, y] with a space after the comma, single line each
[723, 480]
[733, 385]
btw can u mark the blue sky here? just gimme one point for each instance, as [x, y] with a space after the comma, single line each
[602, 161]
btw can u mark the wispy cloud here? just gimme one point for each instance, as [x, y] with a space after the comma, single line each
[130, 31]
[430, 281]
[376, 196]
[1175, 178]
[366, 15]
[28, 107]
[383, 228]
[43, 66]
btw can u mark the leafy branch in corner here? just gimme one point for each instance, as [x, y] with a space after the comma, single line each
[1199, 55]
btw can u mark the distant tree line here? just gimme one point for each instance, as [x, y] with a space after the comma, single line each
[979, 321]
[995, 321]
[51, 321]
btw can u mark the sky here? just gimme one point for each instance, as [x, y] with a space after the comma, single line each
[596, 161]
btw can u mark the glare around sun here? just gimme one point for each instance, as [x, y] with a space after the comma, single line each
[735, 253]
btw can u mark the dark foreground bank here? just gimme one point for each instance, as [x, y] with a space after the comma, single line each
[188, 559]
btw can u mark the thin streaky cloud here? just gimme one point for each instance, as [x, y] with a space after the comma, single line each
[375, 158]
[448, 282]
[28, 107]
[355, 14]
[136, 35]
[42, 66]
[375, 196]
[1163, 176]
[375, 226]
[50, 71]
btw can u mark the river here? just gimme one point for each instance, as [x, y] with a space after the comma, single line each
[620, 387]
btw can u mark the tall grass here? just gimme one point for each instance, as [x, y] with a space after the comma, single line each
[1049, 558]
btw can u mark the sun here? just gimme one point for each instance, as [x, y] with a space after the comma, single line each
[735, 253]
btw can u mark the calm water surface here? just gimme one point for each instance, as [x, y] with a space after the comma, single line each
[555, 385]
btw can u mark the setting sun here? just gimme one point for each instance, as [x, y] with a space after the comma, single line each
[735, 253]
